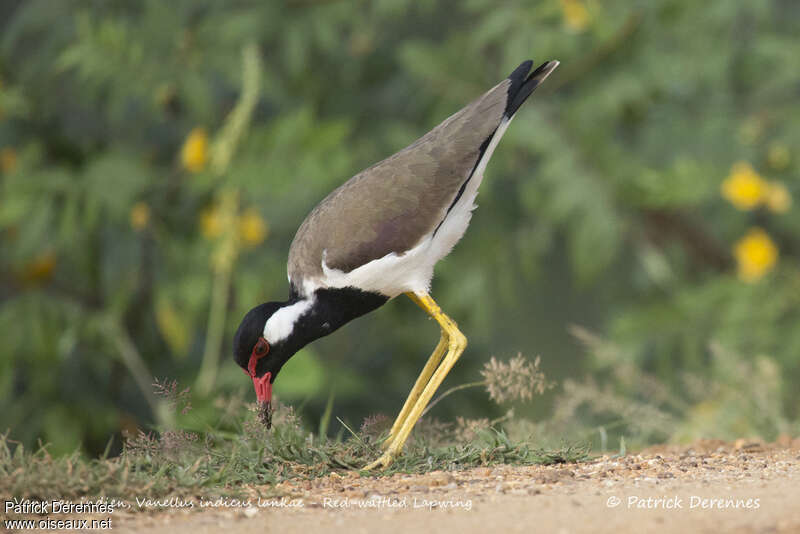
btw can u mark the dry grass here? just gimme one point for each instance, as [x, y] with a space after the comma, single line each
[216, 461]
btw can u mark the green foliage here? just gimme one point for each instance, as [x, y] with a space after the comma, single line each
[124, 252]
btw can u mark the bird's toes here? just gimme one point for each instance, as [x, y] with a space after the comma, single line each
[383, 462]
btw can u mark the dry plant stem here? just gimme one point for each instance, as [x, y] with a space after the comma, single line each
[449, 391]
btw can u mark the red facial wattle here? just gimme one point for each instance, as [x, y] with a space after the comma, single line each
[263, 387]
[263, 384]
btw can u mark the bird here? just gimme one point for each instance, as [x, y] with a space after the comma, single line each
[379, 236]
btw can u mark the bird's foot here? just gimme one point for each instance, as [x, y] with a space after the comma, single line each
[383, 462]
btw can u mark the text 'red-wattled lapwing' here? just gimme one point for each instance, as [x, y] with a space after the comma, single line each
[378, 236]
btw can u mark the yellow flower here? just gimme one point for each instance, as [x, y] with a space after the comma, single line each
[41, 268]
[576, 16]
[252, 228]
[194, 154]
[778, 198]
[211, 223]
[744, 187]
[140, 216]
[778, 156]
[8, 160]
[756, 255]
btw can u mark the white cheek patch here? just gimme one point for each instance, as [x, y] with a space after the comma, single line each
[282, 322]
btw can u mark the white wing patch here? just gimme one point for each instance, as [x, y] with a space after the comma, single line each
[282, 322]
[394, 273]
[390, 275]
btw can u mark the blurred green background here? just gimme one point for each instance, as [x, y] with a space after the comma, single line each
[635, 229]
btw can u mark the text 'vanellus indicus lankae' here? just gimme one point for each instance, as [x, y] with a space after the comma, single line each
[378, 236]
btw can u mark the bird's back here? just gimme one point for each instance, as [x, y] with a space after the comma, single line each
[393, 205]
[383, 229]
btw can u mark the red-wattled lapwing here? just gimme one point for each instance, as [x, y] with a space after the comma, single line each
[378, 236]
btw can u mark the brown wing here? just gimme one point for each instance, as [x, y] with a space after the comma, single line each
[392, 205]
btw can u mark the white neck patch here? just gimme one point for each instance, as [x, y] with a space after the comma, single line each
[282, 322]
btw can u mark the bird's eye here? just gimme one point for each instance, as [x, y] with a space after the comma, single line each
[261, 348]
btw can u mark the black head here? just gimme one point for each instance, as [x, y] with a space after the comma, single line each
[250, 331]
[260, 361]
[300, 320]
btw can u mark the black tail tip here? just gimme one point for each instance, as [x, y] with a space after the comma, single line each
[544, 70]
[519, 74]
[522, 84]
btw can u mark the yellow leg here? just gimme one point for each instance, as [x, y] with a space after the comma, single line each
[422, 380]
[456, 342]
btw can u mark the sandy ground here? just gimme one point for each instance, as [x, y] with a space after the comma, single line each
[708, 487]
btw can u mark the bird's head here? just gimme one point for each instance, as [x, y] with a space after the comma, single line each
[267, 337]
[259, 358]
